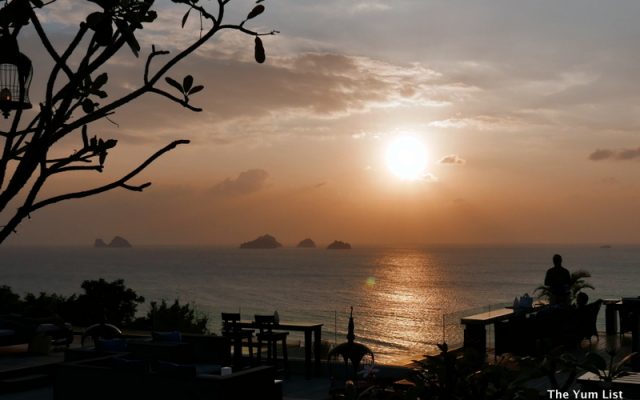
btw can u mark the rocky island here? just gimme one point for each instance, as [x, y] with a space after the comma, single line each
[306, 244]
[263, 242]
[116, 242]
[338, 245]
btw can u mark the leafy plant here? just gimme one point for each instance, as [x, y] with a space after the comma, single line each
[456, 375]
[9, 301]
[164, 317]
[45, 305]
[551, 365]
[606, 370]
[104, 301]
[577, 283]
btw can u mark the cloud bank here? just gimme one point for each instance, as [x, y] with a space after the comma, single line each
[452, 159]
[247, 182]
[618, 155]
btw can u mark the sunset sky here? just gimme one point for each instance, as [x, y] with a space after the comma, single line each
[528, 113]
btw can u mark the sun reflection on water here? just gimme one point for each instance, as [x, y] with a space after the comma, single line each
[401, 308]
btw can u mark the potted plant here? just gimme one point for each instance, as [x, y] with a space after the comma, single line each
[606, 371]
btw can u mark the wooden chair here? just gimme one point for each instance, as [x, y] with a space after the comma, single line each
[237, 336]
[265, 324]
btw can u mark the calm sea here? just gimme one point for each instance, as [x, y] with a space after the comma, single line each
[401, 296]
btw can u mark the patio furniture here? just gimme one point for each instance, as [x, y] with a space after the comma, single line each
[630, 321]
[113, 377]
[312, 342]
[100, 331]
[17, 329]
[350, 365]
[267, 335]
[238, 337]
[586, 320]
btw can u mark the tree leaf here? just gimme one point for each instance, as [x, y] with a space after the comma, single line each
[185, 17]
[174, 83]
[100, 81]
[187, 82]
[103, 157]
[150, 16]
[196, 89]
[110, 143]
[257, 10]
[259, 51]
[88, 106]
[128, 35]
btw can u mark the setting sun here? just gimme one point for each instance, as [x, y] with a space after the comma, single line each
[406, 158]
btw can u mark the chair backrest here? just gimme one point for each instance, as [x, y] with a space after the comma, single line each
[265, 322]
[629, 313]
[587, 318]
[230, 322]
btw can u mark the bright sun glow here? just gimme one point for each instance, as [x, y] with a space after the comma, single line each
[406, 158]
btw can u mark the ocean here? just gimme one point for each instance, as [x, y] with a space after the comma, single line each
[405, 300]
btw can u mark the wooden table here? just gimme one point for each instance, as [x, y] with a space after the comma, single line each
[475, 332]
[309, 329]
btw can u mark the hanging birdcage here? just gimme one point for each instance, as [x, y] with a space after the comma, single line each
[15, 76]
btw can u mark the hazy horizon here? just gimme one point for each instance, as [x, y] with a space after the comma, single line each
[526, 115]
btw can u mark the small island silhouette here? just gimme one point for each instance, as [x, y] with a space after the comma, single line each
[263, 242]
[307, 244]
[116, 242]
[338, 245]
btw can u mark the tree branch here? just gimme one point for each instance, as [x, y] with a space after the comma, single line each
[171, 97]
[147, 65]
[248, 31]
[122, 182]
[49, 47]
[98, 168]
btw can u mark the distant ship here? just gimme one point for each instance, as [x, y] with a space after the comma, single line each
[605, 246]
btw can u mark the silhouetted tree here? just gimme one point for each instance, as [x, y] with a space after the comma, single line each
[164, 317]
[76, 95]
[45, 305]
[9, 301]
[104, 301]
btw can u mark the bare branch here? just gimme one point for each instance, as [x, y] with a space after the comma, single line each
[138, 188]
[49, 47]
[248, 31]
[147, 65]
[98, 168]
[122, 182]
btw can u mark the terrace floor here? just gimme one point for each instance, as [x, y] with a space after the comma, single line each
[295, 387]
